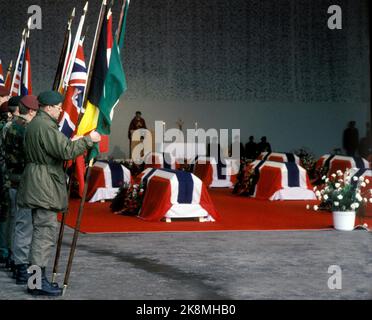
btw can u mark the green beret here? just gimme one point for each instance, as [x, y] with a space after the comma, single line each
[14, 101]
[50, 98]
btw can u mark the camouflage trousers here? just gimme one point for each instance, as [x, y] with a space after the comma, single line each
[4, 213]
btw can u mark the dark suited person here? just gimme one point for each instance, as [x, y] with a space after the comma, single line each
[351, 139]
[264, 146]
[137, 123]
[251, 149]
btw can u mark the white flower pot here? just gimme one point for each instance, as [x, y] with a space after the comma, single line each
[344, 220]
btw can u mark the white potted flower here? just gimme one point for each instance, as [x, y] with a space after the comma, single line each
[341, 193]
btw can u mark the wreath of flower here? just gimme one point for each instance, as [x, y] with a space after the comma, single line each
[246, 179]
[128, 200]
[308, 161]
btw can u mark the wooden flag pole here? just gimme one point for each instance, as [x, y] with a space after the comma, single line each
[8, 75]
[64, 213]
[120, 24]
[58, 75]
[121, 21]
[92, 58]
[61, 232]
[70, 64]
[82, 202]
[77, 228]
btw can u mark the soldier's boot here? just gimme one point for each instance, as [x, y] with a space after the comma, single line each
[3, 260]
[9, 264]
[21, 274]
[47, 289]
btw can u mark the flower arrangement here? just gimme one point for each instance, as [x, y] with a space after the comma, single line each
[246, 180]
[342, 192]
[128, 200]
[307, 160]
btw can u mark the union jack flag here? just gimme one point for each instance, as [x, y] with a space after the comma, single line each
[74, 95]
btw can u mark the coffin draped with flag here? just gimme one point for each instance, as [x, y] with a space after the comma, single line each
[216, 174]
[331, 163]
[105, 180]
[280, 181]
[175, 194]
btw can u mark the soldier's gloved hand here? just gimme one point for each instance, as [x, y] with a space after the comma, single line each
[95, 136]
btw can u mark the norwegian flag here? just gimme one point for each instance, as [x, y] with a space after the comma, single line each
[2, 83]
[26, 82]
[175, 194]
[74, 95]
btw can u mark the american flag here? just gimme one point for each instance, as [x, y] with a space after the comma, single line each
[26, 82]
[2, 83]
[16, 84]
[74, 95]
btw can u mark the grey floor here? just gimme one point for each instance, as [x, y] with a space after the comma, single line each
[214, 265]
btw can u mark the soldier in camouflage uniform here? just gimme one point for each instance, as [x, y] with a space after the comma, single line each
[5, 240]
[20, 219]
[4, 115]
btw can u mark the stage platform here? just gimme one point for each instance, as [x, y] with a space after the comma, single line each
[238, 213]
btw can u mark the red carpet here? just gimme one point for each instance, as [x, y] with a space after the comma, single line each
[238, 213]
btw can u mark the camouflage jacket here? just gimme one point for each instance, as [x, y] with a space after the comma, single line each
[4, 179]
[14, 150]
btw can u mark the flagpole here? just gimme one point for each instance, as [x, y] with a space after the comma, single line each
[82, 202]
[24, 63]
[64, 53]
[94, 51]
[62, 81]
[121, 19]
[8, 74]
[70, 65]
[61, 232]
[65, 212]
[18, 59]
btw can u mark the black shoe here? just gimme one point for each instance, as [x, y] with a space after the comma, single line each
[47, 289]
[21, 274]
[2, 260]
[9, 264]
